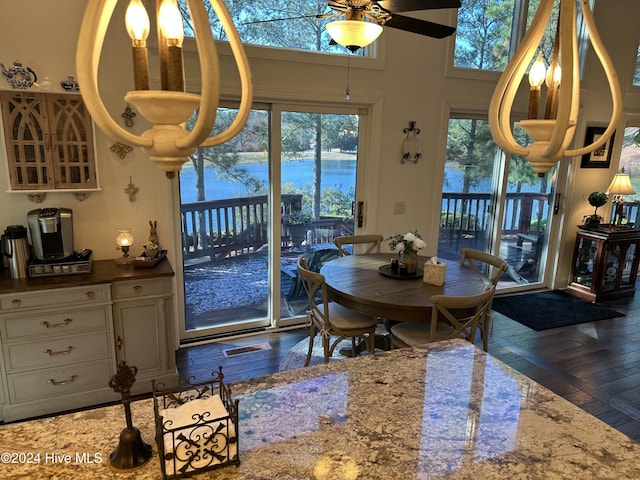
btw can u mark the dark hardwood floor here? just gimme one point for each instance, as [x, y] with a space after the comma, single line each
[593, 365]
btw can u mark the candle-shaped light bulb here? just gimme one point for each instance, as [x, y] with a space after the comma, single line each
[170, 21]
[537, 72]
[171, 35]
[536, 78]
[137, 23]
[554, 76]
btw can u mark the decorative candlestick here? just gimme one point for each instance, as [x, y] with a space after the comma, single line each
[132, 451]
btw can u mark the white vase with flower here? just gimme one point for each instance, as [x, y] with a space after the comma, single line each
[407, 246]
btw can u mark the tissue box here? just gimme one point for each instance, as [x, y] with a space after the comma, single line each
[434, 273]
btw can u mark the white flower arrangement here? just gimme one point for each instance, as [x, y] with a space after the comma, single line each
[409, 242]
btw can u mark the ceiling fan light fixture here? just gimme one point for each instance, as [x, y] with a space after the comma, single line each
[354, 34]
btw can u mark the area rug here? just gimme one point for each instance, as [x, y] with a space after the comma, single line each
[296, 356]
[552, 309]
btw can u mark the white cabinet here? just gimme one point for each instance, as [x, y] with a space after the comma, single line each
[57, 350]
[61, 338]
[144, 330]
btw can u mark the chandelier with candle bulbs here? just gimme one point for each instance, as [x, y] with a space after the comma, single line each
[553, 134]
[167, 142]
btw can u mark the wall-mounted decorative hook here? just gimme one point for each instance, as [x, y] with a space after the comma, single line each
[411, 148]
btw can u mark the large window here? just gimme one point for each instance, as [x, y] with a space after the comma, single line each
[489, 31]
[277, 23]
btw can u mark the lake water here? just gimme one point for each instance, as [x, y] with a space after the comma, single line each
[340, 174]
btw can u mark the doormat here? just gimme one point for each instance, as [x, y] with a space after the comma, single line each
[231, 352]
[552, 309]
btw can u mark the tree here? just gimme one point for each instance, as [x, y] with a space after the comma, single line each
[275, 23]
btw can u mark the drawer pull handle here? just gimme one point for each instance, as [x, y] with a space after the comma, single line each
[16, 302]
[90, 295]
[51, 353]
[138, 288]
[56, 325]
[63, 382]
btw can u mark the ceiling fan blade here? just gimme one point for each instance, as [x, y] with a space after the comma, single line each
[421, 27]
[415, 5]
[281, 19]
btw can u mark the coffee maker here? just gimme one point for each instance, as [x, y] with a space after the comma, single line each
[51, 233]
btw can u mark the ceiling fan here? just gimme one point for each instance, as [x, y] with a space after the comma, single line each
[384, 13]
[359, 33]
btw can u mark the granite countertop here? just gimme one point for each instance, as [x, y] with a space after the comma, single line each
[448, 411]
[102, 271]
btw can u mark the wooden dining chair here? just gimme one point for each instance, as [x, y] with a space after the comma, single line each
[372, 243]
[330, 319]
[493, 267]
[451, 317]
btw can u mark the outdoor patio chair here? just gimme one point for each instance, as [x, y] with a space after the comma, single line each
[332, 320]
[451, 317]
[372, 243]
[484, 262]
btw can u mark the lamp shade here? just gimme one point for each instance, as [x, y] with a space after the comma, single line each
[124, 237]
[354, 34]
[621, 185]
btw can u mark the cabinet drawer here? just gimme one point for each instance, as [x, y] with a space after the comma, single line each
[86, 295]
[55, 382]
[56, 351]
[141, 288]
[53, 324]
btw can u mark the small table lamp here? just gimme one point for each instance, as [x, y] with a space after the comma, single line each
[124, 239]
[619, 186]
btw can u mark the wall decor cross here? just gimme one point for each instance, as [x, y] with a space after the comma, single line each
[131, 190]
[128, 116]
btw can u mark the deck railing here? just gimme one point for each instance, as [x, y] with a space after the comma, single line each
[470, 214]
[234, 226]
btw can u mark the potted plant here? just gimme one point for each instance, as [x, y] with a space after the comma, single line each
[297, 223]
[596, 199]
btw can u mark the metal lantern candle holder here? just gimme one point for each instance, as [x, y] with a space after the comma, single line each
[196, 426]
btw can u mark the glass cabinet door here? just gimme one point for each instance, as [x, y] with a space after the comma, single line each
[583, 269]
[612, 266]
[627, 266]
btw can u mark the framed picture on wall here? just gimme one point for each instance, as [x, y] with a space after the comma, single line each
[600, 158]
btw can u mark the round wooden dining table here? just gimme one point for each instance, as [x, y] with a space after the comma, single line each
[355, 282]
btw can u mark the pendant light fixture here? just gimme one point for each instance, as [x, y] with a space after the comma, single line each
[167, 142]
[553, 134]
[354, 32]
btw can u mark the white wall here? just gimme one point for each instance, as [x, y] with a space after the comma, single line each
[413, 85]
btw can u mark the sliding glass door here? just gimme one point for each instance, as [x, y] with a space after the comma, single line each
[283, 188]
[494, 203]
